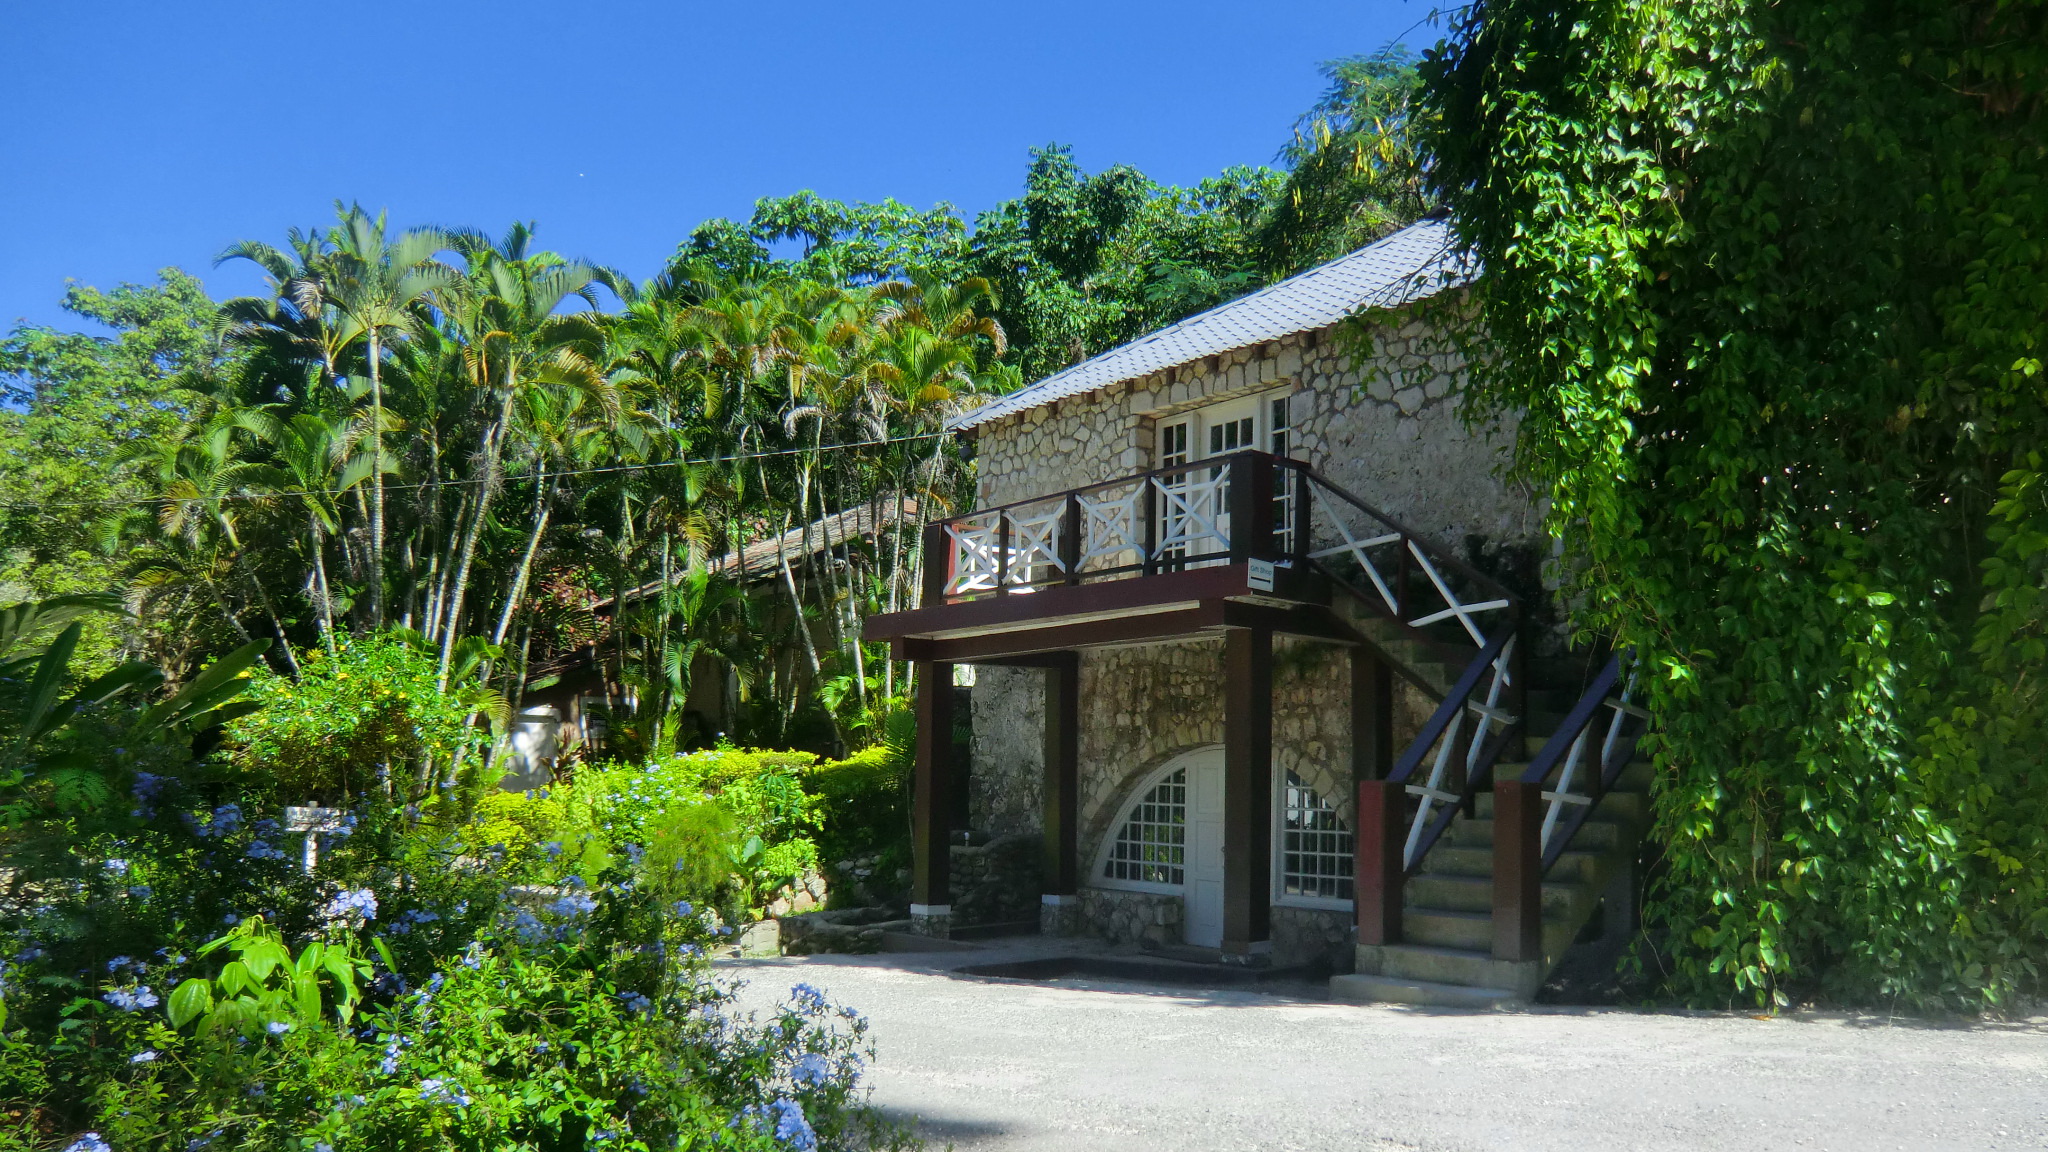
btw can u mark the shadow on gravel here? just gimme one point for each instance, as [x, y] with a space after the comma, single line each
[948, 1132]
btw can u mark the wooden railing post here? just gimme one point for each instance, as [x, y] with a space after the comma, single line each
[1070, 539]
[1150, 559]
[1377, 886]
[1517, 871]
[1251, 507]
[1002, 553]
[938, 565]
[1301, 517]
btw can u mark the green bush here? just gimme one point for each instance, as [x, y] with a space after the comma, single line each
[371, 709]
[866, 799]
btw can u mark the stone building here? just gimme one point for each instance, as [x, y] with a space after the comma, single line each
[1218, 579]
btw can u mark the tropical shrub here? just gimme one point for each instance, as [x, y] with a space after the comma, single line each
[369, 714]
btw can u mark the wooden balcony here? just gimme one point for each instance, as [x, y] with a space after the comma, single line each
[1242, 541]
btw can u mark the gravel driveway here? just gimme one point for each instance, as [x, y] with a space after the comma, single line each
[1075, 1064]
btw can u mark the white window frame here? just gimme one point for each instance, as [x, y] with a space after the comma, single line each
[1258, 406]
[1099, 877]
[1281, 897]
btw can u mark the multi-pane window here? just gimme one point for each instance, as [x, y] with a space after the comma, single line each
[1151, 847]
[1315, 847]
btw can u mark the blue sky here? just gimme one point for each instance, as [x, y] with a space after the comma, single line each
[135, 135]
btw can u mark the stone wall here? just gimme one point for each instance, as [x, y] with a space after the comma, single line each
[997, 882]
[1313, 936]
[1148, 919]
[1005, 794]
[1384, 425]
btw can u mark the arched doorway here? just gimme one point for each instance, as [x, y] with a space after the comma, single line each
[1169, 838]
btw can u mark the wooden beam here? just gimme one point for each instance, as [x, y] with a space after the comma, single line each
[1046, 604]
[1006, 646]
[932, 784]
[1062, 869]
[1247, 790]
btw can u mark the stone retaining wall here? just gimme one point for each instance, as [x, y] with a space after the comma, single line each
[1149, 919]
[997, 882]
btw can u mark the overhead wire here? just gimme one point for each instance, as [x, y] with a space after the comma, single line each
[133, 501]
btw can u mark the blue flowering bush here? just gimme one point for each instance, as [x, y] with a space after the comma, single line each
[454, 972]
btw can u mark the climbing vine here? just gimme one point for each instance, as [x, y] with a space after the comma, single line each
[1766, 289]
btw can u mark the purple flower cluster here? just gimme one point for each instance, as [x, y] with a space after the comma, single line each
[359, 902]
[810, 1070]
[635, 1002]
[412, 918]
[225, 819]
[443, 1092]
[131, 999]
[786, 1118]
[572, 905]
[808, 1000]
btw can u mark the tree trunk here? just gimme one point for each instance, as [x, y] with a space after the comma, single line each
[376, 483]
[323, 597]
[543, 507]
[494, 442]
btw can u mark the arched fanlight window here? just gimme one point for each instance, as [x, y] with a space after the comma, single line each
[1151, 847]
[1315, 847]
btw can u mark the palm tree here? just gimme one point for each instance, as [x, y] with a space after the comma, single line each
[377, 282]
[313, 466]
[504, 311]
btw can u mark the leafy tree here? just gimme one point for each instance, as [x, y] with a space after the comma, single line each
[1764, 285]
[73, 407]
[1354, 174]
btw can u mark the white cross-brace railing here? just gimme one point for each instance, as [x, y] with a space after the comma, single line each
[1435, 791]
[1570, 790]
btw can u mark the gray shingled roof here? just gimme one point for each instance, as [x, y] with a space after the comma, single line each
[1416, 262]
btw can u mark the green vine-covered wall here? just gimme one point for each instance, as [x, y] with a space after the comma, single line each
[1768, 286]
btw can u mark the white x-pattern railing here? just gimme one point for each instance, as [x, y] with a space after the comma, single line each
[1488, 719]
[1021, 546]
[1577, 782]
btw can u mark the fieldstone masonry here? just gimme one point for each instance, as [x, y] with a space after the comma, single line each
[1384, 426]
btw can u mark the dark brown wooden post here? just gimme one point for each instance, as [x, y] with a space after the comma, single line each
[932, 801]
[1401, 580]
[1247, 791]
[1382, 805]
[1372, 715]
[1300, 539]
[1150, 559]
[1070, 539]
[1251, 507]
[1003, 554]
[938, 565]
[1062, 868]
[1517, 871]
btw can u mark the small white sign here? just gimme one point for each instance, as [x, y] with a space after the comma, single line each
[1259, 576]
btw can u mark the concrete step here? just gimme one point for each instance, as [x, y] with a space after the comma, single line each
[1466, 966]
[1447, 929]
[1595, 835]
[1475, 894]
[1617, 806]
[1451, 859]
[1358, 988]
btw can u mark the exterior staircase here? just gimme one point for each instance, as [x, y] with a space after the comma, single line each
[1444, 951]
